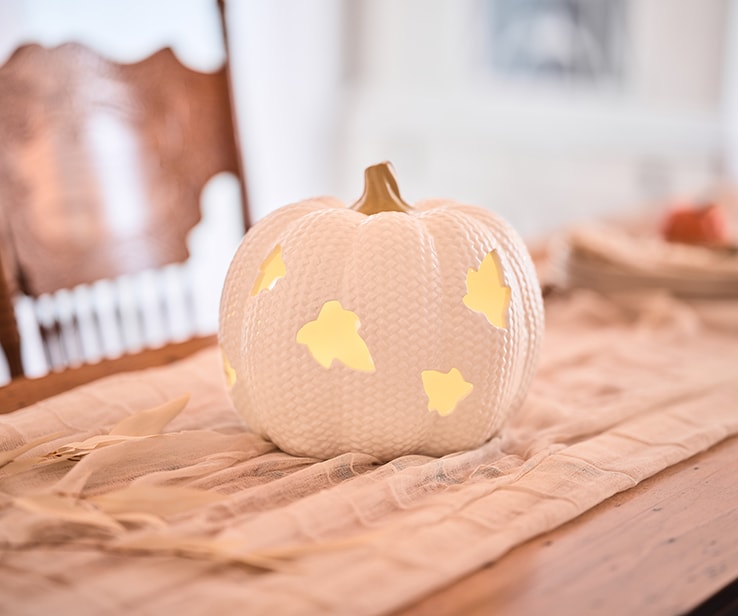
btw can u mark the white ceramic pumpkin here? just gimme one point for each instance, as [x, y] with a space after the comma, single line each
[380, 328]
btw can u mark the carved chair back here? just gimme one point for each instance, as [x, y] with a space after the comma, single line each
[102, 165]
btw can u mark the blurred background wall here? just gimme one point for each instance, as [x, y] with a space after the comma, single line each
[547, 111]
[544, 110]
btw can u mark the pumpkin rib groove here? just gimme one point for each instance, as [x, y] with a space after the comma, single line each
[247, 258]
[430, 326]
[510, 349]
[532, 300]
[299, 244]
[345, 417]
[428, 429]
[380, 290]
[459, 251]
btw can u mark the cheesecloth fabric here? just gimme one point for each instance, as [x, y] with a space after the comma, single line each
[200, 514]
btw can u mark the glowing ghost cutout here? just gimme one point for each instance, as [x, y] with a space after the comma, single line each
[486, 291]
[271, 270]
[445, 390]
[230, 373]
[334, 335]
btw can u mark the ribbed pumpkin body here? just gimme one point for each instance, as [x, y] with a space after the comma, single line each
[405, 276]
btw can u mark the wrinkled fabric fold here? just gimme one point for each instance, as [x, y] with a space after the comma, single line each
[628, 386]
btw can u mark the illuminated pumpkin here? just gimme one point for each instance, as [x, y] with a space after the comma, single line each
[380, 328]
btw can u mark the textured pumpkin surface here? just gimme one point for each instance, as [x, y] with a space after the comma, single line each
[404, 277]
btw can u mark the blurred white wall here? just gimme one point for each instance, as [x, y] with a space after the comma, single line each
[543, 154]
[729, 106]
[287, 62]
[326, 87]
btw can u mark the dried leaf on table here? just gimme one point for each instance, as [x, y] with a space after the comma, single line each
[219, 551]
[299, 550]
[66, 509]
[139, 519]
[151, 421]
[228, 551]
[8, 456]
[15, 467]
[79, 449]
[157, 500]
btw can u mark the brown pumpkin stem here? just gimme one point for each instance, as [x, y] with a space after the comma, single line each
[381, 193]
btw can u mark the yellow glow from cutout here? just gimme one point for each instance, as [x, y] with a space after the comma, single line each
[230, 373]
[486, 291]
[271, 270]
[445, 390]
[334, 335]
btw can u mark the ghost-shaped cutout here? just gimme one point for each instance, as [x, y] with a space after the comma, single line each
[334, 335]
[445, 390]
[270, 271]
[486, 291]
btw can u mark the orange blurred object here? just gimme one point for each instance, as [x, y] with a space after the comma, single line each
[705, 225]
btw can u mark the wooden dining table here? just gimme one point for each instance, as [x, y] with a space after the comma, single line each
[667, 546]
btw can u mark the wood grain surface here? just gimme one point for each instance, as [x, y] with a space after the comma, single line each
[662, 547]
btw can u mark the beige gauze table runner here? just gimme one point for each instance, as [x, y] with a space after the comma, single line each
[207, 516]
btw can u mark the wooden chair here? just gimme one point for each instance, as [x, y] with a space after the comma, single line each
[101, 169]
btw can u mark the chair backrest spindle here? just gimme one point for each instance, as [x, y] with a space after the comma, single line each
[101, 173]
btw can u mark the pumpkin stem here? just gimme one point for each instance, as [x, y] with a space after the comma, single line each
[381, 193]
